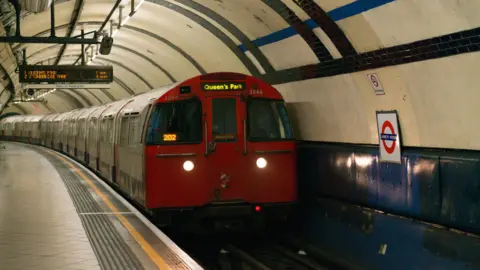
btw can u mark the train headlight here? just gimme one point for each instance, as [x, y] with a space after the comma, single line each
[261, 163]
[188, 165]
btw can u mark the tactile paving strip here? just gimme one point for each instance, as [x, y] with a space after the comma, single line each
[110, 248]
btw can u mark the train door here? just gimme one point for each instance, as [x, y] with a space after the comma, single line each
[56, 135]
[92, 144]
[113, 150]
[120, 131]
[225, 117]
[106, 125]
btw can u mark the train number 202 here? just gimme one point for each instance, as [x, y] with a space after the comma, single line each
[169, 137]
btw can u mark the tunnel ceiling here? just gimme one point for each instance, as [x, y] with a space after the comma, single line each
[166, 41]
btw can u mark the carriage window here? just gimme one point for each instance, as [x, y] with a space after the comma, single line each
[93, 132]
[175, 122]
[71, 133]
[224, 119]
[81, 128]
[144, 122]
[103, 125]
[110, 130]
[268, 120]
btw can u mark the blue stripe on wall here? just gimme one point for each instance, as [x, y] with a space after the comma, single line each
[355, 8]
[337, 14]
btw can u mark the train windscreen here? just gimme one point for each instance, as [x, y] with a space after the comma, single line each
[175, 122]
[224, 119]
[268, 121]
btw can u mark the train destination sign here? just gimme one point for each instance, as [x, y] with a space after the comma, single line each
[224, 86]
[65, 74]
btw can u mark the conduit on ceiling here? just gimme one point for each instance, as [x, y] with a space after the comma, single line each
[35, 5]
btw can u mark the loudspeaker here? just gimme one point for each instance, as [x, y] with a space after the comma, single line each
[106, 45]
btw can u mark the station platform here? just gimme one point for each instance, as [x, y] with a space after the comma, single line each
[55, 214]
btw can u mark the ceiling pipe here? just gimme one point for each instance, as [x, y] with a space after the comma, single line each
[5, 8]
[35, 5]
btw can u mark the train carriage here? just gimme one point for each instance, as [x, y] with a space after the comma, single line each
[108, 125]
[3, 127]
[72, 132]
[216, 150]
[26, 131]
[7, 128]
[93, 147]
[81, 127]
[60, 132]
[67, 130]
[233, 132]
[130, 144]
[22, 127]
[10, 126]
[34, 128]
[18, 128]
[46, 130]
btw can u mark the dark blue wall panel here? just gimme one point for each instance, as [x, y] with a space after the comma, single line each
[352, 234]
[460, 192]
[392, 186]
[424, 187]
[432, 185]
[366, 179]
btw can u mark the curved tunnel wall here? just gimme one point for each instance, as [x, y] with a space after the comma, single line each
[437, 102]
[437, 107]
[317, 52]
[436, 99]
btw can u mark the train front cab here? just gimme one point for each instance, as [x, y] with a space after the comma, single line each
[228, 155]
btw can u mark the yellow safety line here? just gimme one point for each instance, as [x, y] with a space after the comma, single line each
[157, 259]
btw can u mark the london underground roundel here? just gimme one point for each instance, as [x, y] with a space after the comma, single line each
[389, 137]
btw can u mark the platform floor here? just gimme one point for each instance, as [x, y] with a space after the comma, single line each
[54, 214]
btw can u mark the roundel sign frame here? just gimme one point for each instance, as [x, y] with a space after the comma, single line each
[389, 137]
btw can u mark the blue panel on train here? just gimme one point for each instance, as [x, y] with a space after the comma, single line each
[423, 196]
[392, 186]
[461, 192]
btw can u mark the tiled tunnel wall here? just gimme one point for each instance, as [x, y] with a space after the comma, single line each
[438, 186]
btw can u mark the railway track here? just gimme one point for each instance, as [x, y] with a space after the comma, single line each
[266, 257]
[255, 252]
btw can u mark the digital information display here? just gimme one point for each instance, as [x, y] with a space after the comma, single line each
[169, 137]
[224, 86]
[65, 74]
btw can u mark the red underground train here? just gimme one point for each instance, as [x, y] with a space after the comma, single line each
[215, 151]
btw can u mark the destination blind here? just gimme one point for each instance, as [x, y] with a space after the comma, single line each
[224, 86]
